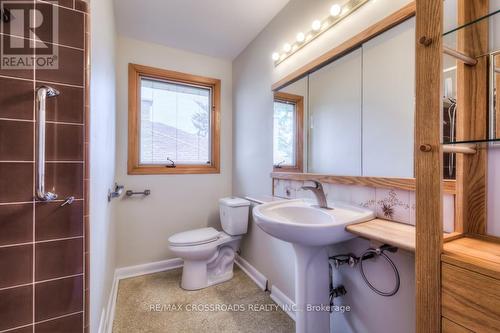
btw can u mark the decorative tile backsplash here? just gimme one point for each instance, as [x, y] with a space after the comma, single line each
[394, 205]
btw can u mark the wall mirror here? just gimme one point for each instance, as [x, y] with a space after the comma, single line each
[358, 110]
[495, 95]
[449, 116]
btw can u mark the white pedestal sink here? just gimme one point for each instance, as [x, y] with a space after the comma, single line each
[310, 230]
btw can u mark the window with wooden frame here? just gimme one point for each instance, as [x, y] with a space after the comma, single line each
[288, 132]
[174, 122]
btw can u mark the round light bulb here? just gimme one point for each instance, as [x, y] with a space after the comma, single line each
[301, 37]
[287, 47]
[335, 10]
[275, 56]
[316, 25]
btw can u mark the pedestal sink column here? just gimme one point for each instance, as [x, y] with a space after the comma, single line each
[311, 289]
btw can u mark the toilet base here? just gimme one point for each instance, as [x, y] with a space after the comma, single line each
[199, 274]
[195, 276]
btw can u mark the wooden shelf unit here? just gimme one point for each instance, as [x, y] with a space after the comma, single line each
[452, 276]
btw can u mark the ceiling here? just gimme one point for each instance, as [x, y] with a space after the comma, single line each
[219, 28]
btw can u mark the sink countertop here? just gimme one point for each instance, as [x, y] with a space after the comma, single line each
[260, 199]
[388, 232]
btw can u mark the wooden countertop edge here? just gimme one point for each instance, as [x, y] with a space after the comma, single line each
[393, 233]
[384, 231]
[476, 265]
[476, 253]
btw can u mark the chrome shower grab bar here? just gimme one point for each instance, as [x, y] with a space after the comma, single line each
[42, 93]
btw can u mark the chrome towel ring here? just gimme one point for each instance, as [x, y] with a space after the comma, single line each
[370, 253]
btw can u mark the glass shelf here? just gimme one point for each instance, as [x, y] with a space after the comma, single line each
[478, 144]
[491, 21]
[461, 47]
[478, 20]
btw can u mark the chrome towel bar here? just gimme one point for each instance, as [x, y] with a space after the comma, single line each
[130, 193]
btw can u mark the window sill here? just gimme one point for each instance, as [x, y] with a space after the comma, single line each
[178, 170]
[287, 169]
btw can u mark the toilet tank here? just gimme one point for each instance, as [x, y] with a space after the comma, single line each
[234, 215]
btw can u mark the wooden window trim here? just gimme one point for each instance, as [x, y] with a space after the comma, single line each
[134, 167]
[299, 128]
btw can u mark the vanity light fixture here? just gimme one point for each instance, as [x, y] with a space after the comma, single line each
[316, 25]
[335, 10]
[301, 37]
[338, 11]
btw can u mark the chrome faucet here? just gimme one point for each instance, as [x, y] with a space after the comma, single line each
[319, 193]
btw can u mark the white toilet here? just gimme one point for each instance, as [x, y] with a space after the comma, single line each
[209, 254]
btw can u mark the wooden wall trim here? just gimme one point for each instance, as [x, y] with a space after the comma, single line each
[428, 165]
[408, 184]
[381, 26]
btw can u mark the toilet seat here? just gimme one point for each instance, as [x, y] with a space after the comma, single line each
[195, 237]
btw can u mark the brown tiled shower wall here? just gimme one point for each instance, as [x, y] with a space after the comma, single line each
[43, 247]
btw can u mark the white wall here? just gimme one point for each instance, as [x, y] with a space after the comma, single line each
[102, 156]
[177, 202]
[253, 75]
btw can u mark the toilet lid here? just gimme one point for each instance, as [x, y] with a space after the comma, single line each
[194, 237]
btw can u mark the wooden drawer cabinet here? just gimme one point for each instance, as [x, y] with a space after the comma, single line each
[469, 299]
